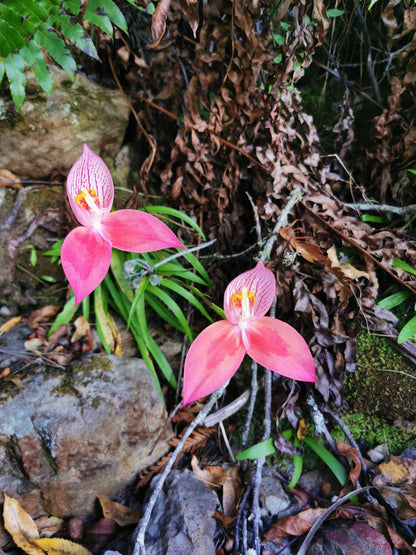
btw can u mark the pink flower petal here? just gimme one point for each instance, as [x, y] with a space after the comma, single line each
[85, 260]
[279, 347]
[136, 231]
[212, 359]
[259, 281]
[90, 172]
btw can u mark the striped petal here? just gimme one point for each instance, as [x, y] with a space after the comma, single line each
[279, 347]
[212, 360]
[89, 173]
[136, 231]
[85, 259]
[259, 281]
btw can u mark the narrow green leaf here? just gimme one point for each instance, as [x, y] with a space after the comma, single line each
[103, 327]
[328, 458]
[161, 361]
[57, 49]
[407, 331]
[397, 263]
[174, 308]
[16, 21]
[177, 288]
[30, 10]
[167, 211]
[262, 449]
[137, 297]
[15, 68]
[412, 171]
[372, 218]
[117, 297]
[32, 55]
[192, 259]
[394, 300]
[1, 71]
[117, 260]
[14, 36]
[334, 12]
[65, 316]
[297, 471]
[86, 308]
[144, 351]
[162, 311]
[175, 268]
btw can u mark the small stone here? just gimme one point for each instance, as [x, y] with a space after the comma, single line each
[378, 454]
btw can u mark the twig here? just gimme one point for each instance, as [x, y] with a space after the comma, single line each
[139, 544]
[325, 515]
[400, 210]
[239, 517]
[294, 198]
[250, 411]
[319, 422]
[227, 411]
[227, 443]
[183, 253]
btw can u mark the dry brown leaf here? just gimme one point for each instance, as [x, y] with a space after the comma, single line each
[82, 328]
[48, 525]
[308, 250]
[58, 546]
[355, 471]
[124, 516]
[232, 492]
[190, 10]
[347, 269]
[212, 476]
[21, 526]
[7, 326]
[8, 179]
[42, 314]
[301, 431]
[295, 525]
[159, 22]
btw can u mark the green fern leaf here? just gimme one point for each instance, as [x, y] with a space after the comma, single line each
[32, 55]
[56, 47]
[15, 70]
[99, 19]
[13, 36]
[74, 33]
[28, 9]
[109, 10]
[72, 6]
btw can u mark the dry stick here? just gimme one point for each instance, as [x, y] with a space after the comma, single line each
[139, 544]
[319, 521]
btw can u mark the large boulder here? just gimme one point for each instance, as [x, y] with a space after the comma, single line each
[70, 435]
[48, 133]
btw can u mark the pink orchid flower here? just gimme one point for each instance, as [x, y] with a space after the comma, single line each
[218, 351]
[86, 251]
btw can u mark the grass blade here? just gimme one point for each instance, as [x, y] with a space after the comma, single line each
[328, 458]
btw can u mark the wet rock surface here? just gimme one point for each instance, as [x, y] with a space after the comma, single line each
[182, 521]
[52, 128]
[70, 435]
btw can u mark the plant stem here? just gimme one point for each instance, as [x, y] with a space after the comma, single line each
[139, 542]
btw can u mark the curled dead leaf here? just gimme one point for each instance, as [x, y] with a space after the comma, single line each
[8, 179]
[21, 526]
[124, 516]
[58, 546]
[159, 22]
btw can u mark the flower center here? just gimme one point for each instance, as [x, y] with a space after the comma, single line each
[245, 301]
[88, 200]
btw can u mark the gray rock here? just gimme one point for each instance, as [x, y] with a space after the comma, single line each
[47, 135]
[70, 435]
[182, 521]
[273, 498]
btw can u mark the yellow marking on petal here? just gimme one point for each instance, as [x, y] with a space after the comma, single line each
[244, 300]
[88, 199]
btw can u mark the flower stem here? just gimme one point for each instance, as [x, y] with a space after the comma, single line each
[139, 544]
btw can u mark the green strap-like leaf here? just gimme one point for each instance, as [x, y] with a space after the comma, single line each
[101, 318]
[394, 300]
[168, 211]
[180, 290]
[1, 71]
[56, 47]
[262, 449]
[65, 315]
[161, 361]
[173, 307]
[407, 331]
[15, 70]
[32, 55]
[328, 458]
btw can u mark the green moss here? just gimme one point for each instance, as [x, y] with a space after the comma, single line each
[383, 384]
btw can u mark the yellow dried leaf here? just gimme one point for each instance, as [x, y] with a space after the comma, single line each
[124, 516]
[212, 476]
[82, 328]
[58, 546]
[21, 526]
[7, 326]
[8, 179]
[301, 433]
[347, 269]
